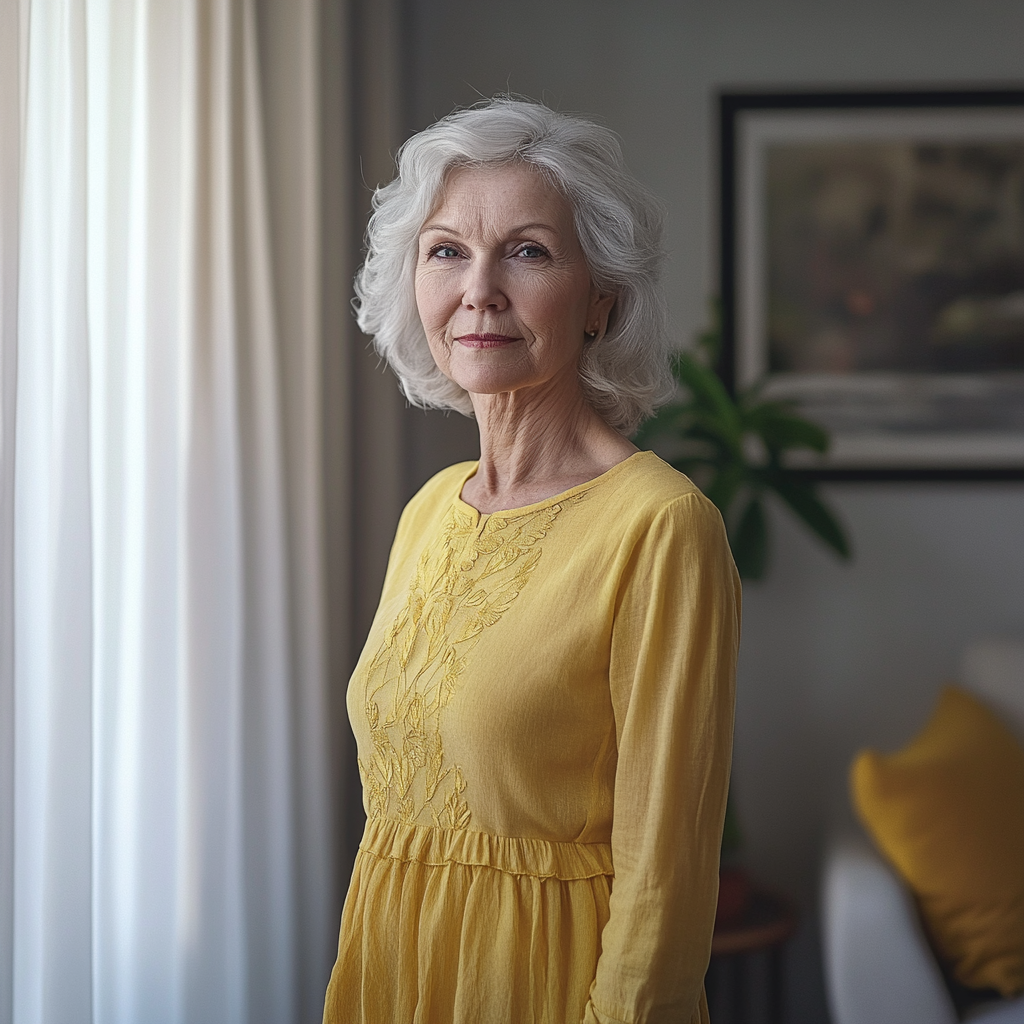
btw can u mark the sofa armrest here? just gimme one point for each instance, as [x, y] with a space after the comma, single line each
[878, 965]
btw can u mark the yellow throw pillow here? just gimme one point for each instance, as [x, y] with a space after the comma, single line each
[948, 812]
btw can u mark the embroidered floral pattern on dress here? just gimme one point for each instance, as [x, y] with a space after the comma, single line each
[465, 581]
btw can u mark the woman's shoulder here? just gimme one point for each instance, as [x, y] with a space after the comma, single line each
[662, 514]
[438, 493]
[426, 509]
[650, 488]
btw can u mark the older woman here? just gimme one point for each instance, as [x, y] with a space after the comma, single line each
[543, 708]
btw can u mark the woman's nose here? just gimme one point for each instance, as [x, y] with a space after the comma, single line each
[483, 288]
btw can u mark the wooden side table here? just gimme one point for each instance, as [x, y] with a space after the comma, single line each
[768, 921]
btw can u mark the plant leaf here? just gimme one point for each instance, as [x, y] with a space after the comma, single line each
[709, 392]
[709, 428]
[780, 429]
[750, 541]
[803, 499]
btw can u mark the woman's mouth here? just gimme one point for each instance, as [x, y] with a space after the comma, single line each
[485, 340]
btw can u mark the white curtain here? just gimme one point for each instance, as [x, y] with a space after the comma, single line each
[165, 826]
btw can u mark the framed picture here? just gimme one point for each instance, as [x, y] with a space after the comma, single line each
[872, 271]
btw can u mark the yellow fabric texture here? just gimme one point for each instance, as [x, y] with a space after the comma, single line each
[948, 812]
[543, 712]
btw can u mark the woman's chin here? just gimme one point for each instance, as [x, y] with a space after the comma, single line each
[492, 376]
[488, 384]
[525, 383]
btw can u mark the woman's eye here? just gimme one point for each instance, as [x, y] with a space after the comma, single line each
[531, 252]
[445, 252]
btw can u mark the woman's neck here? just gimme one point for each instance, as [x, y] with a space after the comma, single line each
[533, 447]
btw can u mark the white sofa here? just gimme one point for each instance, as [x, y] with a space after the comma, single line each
[879, 967]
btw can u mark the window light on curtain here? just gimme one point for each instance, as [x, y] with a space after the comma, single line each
[165, 833]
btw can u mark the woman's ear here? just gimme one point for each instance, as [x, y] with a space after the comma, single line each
[598, 311]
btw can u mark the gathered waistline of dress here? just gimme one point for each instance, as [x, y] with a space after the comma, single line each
[388, 839]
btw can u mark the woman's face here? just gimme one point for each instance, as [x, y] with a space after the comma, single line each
[502, 287]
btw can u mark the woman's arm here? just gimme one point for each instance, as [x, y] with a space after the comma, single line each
[673, 666]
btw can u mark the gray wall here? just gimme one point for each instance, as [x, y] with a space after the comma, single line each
[833, 657]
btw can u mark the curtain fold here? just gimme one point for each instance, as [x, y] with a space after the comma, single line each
[10, 188]
[53, 640]
[167, 841]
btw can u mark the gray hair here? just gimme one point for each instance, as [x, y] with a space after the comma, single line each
[625, 373]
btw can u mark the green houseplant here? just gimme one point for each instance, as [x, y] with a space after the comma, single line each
[734, 448]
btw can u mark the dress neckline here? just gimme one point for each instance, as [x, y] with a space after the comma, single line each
[511, 513]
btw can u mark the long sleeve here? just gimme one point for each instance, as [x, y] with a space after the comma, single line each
[673, 661]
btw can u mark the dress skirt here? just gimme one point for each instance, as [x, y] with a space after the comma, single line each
[453, 925]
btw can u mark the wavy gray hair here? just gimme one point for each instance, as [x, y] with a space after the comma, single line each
[624, 373]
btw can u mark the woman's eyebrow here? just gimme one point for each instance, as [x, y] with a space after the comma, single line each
[444, 228]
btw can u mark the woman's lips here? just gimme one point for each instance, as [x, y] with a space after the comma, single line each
[485, 340]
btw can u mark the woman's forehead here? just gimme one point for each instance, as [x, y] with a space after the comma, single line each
[511, 192]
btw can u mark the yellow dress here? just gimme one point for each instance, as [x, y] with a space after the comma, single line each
[543, 712]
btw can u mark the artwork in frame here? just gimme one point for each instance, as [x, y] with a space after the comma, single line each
[872, 272]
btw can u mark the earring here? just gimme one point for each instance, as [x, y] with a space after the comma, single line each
[592, 333]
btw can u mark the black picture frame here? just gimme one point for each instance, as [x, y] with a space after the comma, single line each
[770, 143]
